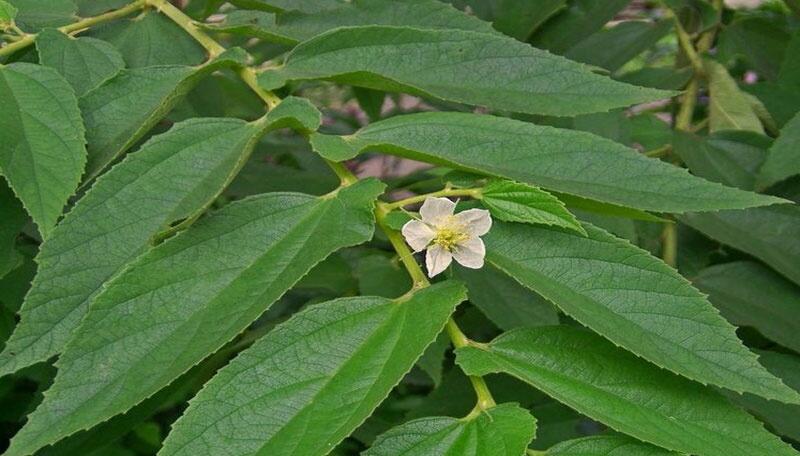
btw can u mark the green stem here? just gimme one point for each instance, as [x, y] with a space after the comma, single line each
[459, 339]
[669, 241]
[248, 75]
[82, 24]
[187, 23]
[214, 49]
[403, 252]
[688, 48]
[341, 171]
[13, 27]
[683, 120]
[468, 192]
[659, 152]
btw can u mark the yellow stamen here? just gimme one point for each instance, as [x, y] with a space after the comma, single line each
[449, 237]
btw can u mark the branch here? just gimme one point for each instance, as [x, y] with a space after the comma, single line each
[29, 39]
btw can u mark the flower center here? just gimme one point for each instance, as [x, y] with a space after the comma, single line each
[448, 238]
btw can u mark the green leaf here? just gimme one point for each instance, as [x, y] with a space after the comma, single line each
[614, 47]
[34, 15]
[614, 387]
[306, 6]
[607, 445]
[781, 100]
[515, 202]
[749, 294]
[14, 218]
[7, 13]
[42, 151]
[314, 379]
[634, 300]
[88, 8]
[760, 41]
[729, 157]
[122, 110]
[84, 62]
[380, 275]
[456, 65]
[771, 234]
[96, 441]
[183, 300]
[575, 23]
[658, 78]
[695, 15]
[504, 301]
[783, 418]
[567, 161]
[505, 429]
[520, 18]
[783, 159]
[295, 113]
[515, 18]
[789, 74]
[574, 203]
[729, 108]
[370, 101]
[294, 27]
[650, 131]
[152, 39]
[432, 360]
[116, 221]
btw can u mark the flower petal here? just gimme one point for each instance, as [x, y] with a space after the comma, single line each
[437, 259]
[470, 253]
[418, 235]
[433, 210]
[477, 221]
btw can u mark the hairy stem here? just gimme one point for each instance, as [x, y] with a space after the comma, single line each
[670, 244]
[467, 192]
[82, 24]
[688, 103]
[688, 48]
[187, 23]
[248, 75]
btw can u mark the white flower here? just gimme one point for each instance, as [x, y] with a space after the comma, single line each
[447, 235]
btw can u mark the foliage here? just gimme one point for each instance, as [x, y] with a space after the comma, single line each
[204, 203]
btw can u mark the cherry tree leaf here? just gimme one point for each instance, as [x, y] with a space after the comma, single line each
[505, 429]
[607, 445]
[783, 160]
[634, 300]
[42, 152]
[296, 26]
[516, 202]
[749, 294]
[116, 221]
[614, 387]
[563, 160]
[84, 62]
[183, 300]
[315, 378]
[456, 65]
[121, 111]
